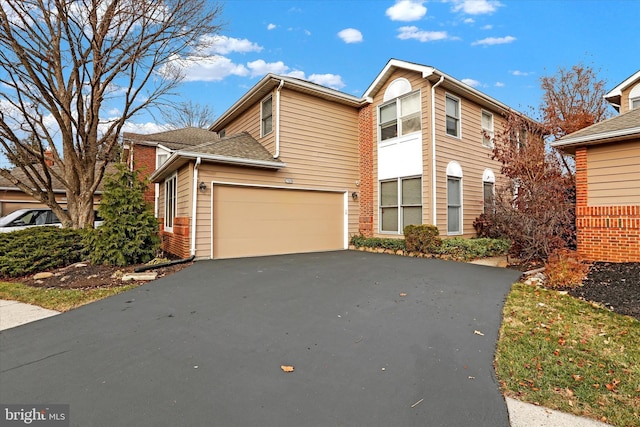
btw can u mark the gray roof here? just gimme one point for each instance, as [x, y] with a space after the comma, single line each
[175, 139]
[620, 128]
[238, 149]
[241, 146]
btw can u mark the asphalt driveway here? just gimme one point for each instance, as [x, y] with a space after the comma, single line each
[376, 340]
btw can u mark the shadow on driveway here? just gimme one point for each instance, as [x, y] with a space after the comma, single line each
[376, 340]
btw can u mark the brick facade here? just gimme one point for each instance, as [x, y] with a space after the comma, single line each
[604, 233]
[176, 242]
[144, 160]
[365, 143]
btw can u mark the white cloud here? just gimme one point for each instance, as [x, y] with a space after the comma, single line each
[499, 84]
[223, 45]
[469, 21]
[144, 128]
[476, 7]
[296, 74]
[333, 81]
[350, 35]
[520, 73]
[487, 27]
[471, 82]
[211, 69]
[489, 41]
[412, 32]
[260, 67]
[113, 112]
[271, 27]
[407, 10]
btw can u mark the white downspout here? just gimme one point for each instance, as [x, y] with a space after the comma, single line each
[277, 154]
[433, 151]
[195, 206]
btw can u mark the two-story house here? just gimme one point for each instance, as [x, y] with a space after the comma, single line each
[299, 167]
[607, 158]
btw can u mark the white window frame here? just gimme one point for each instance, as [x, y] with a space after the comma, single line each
[454, 172]
[263, 118]
[458, 119]
[170, 204]
[487, 142]
[160, 153]
[400, 205]
[399, 118]
[488, 178]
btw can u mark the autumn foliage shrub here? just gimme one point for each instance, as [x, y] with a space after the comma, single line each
[565, 269]
[423, 238]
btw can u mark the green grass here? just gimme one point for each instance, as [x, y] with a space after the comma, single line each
[54, 298]
[570, 355]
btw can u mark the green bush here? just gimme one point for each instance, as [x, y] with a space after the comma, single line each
[38, 249]
[468, 249]
[360, 241]
[129, 233]
[422, 238]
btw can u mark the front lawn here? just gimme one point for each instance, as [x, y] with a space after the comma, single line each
[571, 355]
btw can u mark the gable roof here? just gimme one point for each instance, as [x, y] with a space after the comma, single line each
[238, 149]
[434, 75]
[614, 96]
[271, 81]
[620, 128]
[175, 139]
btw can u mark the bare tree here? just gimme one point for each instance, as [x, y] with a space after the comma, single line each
[188, 114]
[63, 61]
[572, 99]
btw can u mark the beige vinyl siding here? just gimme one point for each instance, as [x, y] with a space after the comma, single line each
[318, 143]
[183, 204]
[249, 121]
[469, 152]
[417, 83]
[613, 174]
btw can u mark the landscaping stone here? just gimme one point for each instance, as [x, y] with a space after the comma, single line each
[43, 275]
[145, 276]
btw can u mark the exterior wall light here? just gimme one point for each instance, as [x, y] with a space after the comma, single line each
[202, 186]
[354, 196]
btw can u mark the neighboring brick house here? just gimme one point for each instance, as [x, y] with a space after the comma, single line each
[607, 158]
[299, 167]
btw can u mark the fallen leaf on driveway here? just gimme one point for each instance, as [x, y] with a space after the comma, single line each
[478, 333]
[287, 368]
[403, 294]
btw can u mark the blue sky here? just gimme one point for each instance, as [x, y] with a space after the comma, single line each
[501, 47]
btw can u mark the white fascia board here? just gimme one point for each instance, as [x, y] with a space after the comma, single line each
[565, 142]
[617, 91]
[233, 160]
[425, 70]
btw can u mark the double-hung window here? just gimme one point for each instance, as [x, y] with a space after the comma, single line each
[454, 205]
[400, 203]
[452, 108]
[400, 117]
[488, 198]
[266, 116]
[487, 129]
[170, 197]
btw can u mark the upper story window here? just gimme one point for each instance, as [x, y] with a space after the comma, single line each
[487, 129]
[400, 117]
[634, 97]
[452, 109]
[161, 157]
[266, 116]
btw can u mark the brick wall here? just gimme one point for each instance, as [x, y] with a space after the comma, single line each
[365, 143]
[176, 242]
[604, 233]
[144, 160]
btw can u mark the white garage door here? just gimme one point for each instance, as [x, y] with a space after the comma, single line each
[249, 221]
